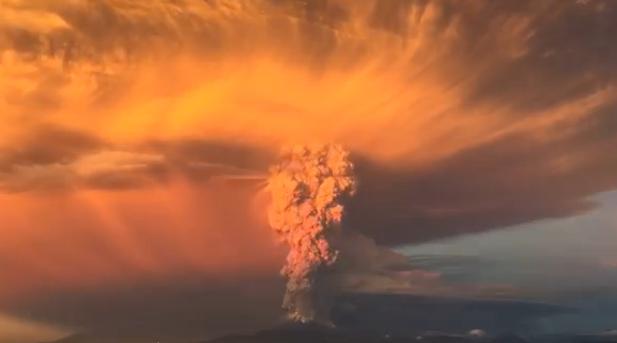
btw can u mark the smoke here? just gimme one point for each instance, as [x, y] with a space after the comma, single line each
[307, 187]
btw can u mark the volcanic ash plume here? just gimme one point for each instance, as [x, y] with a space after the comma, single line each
[307, 188]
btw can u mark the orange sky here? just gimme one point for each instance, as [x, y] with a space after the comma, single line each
[92, 238]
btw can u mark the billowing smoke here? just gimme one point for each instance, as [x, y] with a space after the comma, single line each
[307, 187]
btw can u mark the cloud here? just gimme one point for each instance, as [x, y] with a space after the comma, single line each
[45, 144]
[55, 158]
[366, 267]
[512, 180]
[382, 68]
[202, 159]
[106, 169]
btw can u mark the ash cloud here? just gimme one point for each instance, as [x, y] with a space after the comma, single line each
[511, 181]
[307, 189]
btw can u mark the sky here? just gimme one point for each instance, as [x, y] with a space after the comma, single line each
[135, 137]
[567, 261]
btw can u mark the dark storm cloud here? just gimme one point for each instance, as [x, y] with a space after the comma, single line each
[509, 181]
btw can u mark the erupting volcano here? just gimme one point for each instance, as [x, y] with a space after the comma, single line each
[307, 189]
